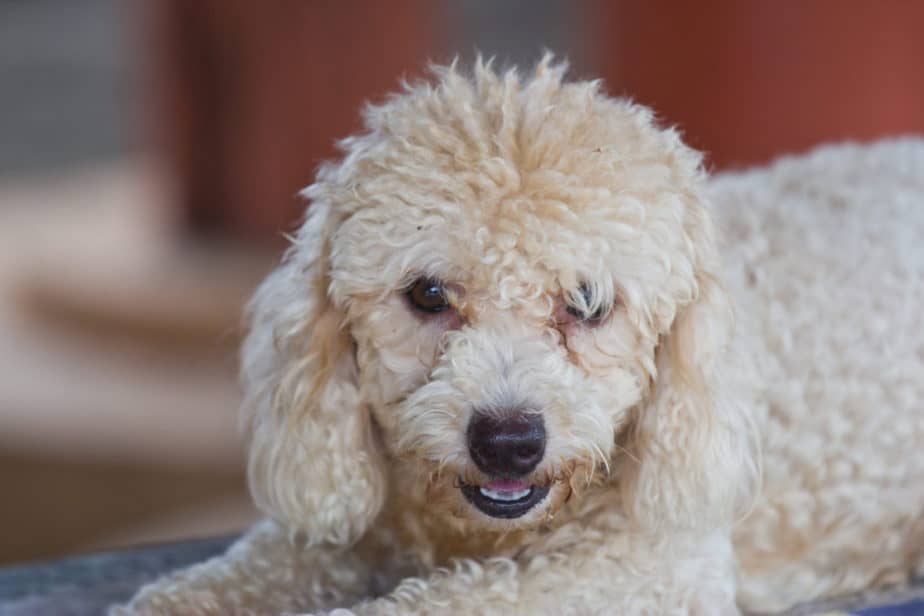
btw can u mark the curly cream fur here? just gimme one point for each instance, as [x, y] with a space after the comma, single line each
[515, 192]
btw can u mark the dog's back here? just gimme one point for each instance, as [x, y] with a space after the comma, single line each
[824, 258]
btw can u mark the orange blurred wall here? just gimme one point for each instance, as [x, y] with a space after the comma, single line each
[251, 96]
[747, 81]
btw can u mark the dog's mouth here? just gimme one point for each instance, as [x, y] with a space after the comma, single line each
[504, 498]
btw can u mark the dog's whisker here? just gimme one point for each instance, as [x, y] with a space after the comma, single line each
[627, 453]
[598, 453]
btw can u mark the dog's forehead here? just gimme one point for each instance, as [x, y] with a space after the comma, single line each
[589, 188]
[535, 238]
[527, 238]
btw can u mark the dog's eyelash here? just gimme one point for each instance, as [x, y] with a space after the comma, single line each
[580, 313]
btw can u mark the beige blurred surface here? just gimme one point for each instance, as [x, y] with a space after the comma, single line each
[118, 399]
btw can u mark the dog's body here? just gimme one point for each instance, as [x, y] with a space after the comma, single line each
[823, 257]
[499, 261]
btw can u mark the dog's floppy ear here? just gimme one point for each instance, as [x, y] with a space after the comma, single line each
[313, 464]
[696, 460]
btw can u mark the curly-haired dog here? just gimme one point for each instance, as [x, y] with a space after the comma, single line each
[498, 372]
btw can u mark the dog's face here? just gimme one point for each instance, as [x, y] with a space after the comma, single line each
[499, 339]
[476, 314]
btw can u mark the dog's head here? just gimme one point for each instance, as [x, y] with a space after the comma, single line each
[502, 297]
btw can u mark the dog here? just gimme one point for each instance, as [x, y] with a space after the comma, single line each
[505, 368]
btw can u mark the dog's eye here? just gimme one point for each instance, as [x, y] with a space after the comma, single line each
[428, 295]
[581, 313]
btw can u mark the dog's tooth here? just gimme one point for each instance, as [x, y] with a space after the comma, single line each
[504, 496]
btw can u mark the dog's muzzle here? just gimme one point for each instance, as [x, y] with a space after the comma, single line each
[506, 448]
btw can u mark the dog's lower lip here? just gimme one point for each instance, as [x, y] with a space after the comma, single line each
[507, 509]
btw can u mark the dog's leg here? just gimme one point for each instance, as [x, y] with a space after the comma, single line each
[628, 575]
[265, 572]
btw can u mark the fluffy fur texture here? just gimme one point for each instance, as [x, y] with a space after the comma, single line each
[516, 193]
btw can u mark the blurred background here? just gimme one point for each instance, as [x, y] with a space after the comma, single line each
[150, 152]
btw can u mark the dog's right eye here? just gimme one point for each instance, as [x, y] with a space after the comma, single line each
[428, 295]
[590, 318]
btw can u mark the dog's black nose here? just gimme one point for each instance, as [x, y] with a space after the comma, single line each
[508, 446]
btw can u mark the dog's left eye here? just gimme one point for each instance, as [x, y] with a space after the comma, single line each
[581, 314]
[428, 295]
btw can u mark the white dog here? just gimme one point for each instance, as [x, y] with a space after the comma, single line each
[499, 372]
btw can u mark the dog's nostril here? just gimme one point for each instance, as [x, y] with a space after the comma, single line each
[507, 446]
